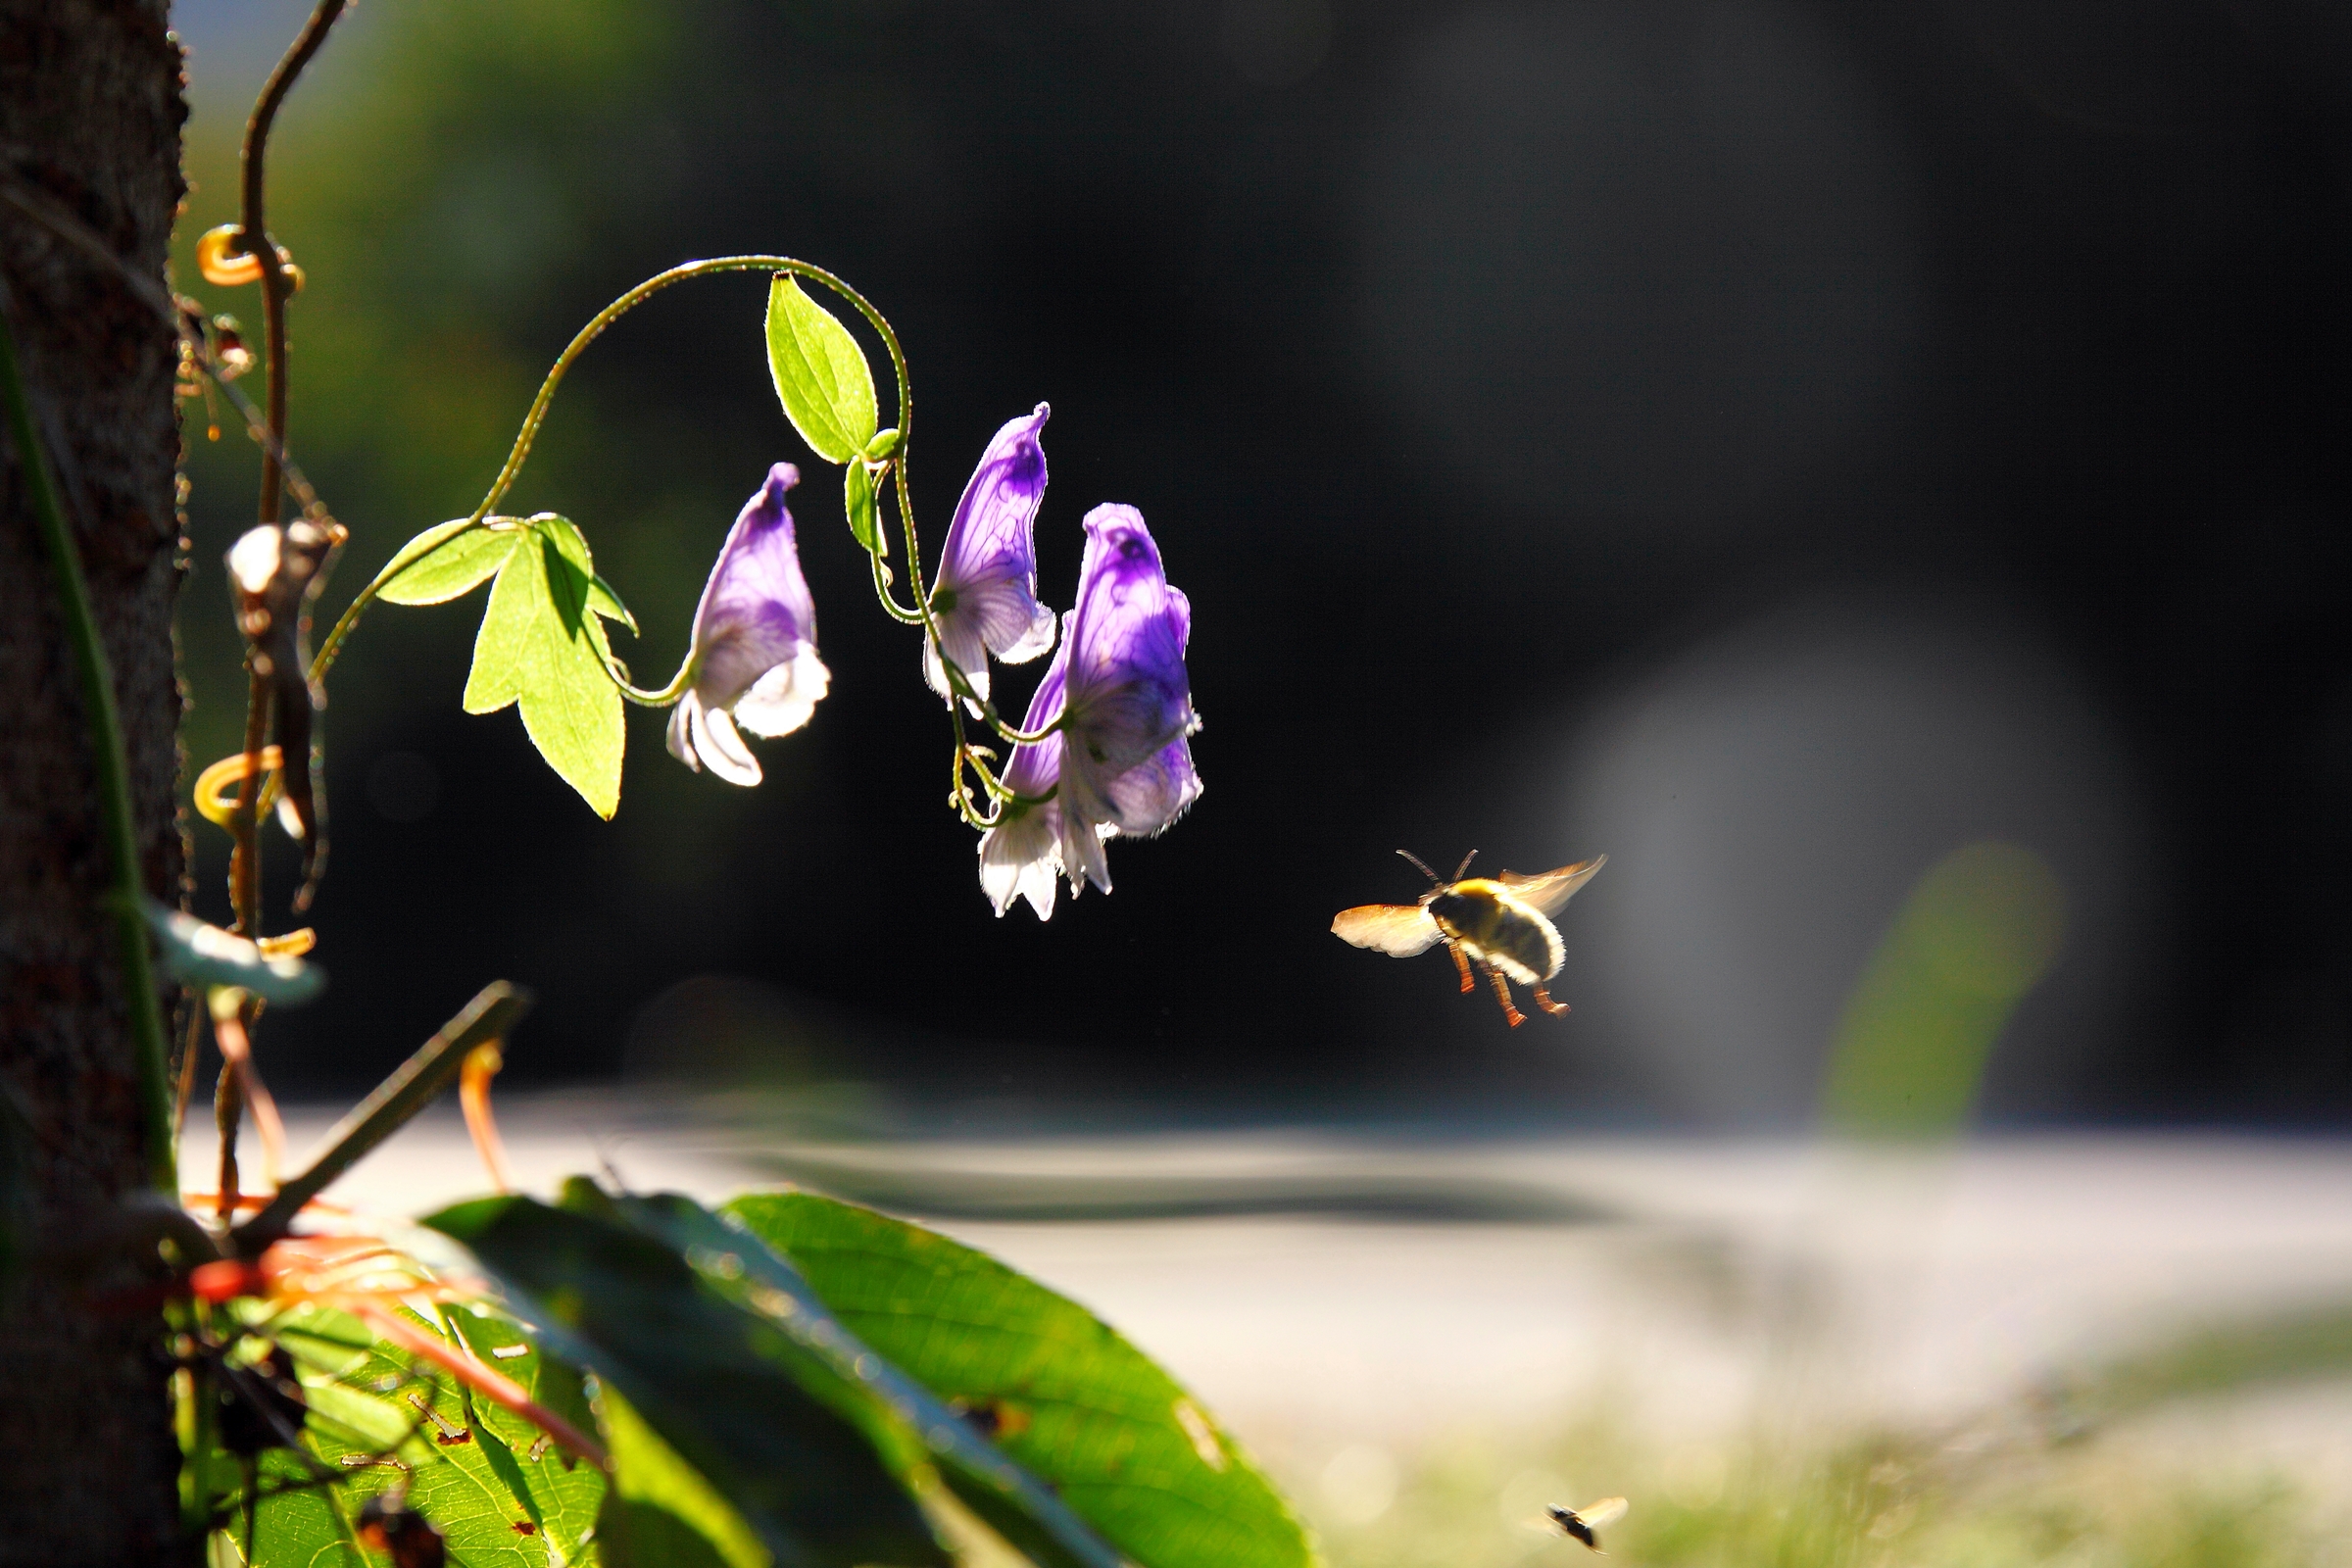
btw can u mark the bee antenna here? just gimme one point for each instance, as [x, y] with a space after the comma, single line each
[1465, 865]
[1422, 866]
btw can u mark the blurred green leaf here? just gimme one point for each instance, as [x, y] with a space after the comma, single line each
[448, 560]
[661, 1513]
[1062, 1394]
[723, 1386]
[1978, 932]
[827, 391]
[734, 1262]
[540, 647]
[199, 955]
[858, 504]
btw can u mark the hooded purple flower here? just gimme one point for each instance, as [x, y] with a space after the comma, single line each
[1021, 856]
[754, 657]
[985, 597]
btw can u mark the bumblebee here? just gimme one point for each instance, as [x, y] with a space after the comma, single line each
[1584, 1523]
[1501, 924]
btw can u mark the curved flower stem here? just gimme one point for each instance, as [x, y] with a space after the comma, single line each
[109, 761]
[655, 699]
[537, 414]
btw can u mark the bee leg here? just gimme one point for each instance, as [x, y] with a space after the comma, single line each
[1503, 994]
[1543, 1000]
[1462, 963]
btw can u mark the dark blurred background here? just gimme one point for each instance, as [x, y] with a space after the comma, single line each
[1779, 445]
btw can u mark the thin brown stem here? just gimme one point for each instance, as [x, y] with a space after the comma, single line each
[229, 1105]
[258, 245]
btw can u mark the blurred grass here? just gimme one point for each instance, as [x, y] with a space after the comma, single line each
[1859, 1501]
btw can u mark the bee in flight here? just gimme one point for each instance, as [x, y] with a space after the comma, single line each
[1502, 924]
[1583, 1523]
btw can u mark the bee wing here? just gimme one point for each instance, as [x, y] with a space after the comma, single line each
[1398, 930]
[1551, 892]
[1608, 1511]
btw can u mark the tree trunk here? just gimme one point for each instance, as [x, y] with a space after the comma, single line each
[90, 113]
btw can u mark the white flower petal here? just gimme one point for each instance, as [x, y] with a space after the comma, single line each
[782, 700]
[722, 750]
[961, 632]
[681, 727]
[1020, 858]
[1085, 823]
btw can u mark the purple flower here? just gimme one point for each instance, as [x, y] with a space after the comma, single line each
[1021, 856]
[985, 597]
[754, 658]
[1121, 762]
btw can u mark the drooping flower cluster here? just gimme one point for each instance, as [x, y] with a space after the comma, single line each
[1113, 713]
[1121, 761]
[754, 660]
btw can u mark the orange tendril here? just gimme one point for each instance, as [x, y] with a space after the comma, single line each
[474, 1093]
[221, 257]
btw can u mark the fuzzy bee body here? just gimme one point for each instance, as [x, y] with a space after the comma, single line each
[1584, 1524]
[1496, 928]
[1501, 924]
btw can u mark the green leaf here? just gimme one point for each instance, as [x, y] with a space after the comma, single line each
[821, 377]
[721, 1385]
[661, 1513]
[883, 444]
[573, 546]
[540, 647]
[379, 1420]
[858, 504]
[1069, 1399]
[444, 562]
[734, 1264]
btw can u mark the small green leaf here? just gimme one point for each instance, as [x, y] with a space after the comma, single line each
[884, 443]
[199, 955]
[574, 547]
[444, 562]
[821, 377]
[858, 504]
[720, 1384]
[1070, 1400]
[540, 647]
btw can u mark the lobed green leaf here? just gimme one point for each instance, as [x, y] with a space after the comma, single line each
[1066, 1397]
[821, 377]
[540, 646]
[447, 561]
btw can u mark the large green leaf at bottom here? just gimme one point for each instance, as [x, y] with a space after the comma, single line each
[379, 1419]
[1066, 1397]
[735, 1264]
[720, 1384]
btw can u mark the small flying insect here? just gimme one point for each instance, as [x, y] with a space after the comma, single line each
[1584, 1523]
[1501, 924]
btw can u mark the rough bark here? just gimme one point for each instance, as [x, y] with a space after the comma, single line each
[90, 113]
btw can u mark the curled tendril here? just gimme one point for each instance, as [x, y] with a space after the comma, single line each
[221, 257]
[214, 796]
